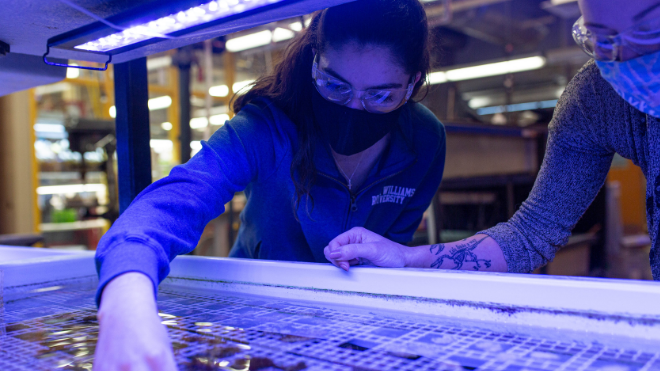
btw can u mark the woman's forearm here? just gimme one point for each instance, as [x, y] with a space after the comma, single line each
[477, 253]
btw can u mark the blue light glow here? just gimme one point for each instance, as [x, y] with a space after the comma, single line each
[163, 26]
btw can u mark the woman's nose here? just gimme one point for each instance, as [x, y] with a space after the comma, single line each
[355, 103]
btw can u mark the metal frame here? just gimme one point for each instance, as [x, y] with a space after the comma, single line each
[607, 309]
[132, 130]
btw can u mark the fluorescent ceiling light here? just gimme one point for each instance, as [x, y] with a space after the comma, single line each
[201, 122]
[240, 85]
[219, 120]
[49, 128]
[437, 78]
[172, 23]
[281, 34]
[71, 188]
[154, 104]
[517, 107]
[261, 38]
[198, 123]
[219, 91]
[478, 102]
[167, 126]
[296, 26]
[195, 146]
[223, 90]
[160, 102]
[250, 41]
[489, 69]
[161, 145]
[72, 73]
[494, 69]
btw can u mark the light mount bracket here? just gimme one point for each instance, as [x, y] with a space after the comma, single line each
[75, 66]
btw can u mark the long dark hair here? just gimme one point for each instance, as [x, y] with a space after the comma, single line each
[397, 24]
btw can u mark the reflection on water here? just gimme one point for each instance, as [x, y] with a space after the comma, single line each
[58, 329]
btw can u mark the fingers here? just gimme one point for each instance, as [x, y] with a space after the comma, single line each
[345, 265]
[350, 252]
[347, 248]
[339, 262]
[355, 235]
[348, 237]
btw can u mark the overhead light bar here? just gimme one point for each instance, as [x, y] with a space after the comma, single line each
[487, 70]
[151, 22]
[194, 16]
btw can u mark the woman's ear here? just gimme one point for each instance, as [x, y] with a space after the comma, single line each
[417, 77]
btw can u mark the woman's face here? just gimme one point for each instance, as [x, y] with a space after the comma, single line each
[364, 67]
[618, 15]
[610, 17]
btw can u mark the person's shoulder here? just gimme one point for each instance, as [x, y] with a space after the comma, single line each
[425, 122]
[589, 88]
[589, 114]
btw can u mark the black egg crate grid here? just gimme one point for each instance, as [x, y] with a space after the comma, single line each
[59, 329]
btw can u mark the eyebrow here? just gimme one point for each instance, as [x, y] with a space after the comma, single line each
[334, 74]
[644, 13]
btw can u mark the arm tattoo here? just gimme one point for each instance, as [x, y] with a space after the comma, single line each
[463, 252]
[439, 246]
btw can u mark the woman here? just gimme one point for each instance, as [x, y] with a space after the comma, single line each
[327, 142]
[612, 105]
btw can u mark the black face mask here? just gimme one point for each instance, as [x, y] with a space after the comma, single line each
[350, 131]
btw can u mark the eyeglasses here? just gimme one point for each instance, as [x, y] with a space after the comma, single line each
[373, 100]
[642, 38]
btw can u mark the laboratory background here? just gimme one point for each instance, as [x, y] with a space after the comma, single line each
[499, 68]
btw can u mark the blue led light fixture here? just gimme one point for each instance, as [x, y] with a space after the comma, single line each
[156, 21]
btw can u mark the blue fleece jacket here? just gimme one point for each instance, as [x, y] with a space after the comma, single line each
[253, 153]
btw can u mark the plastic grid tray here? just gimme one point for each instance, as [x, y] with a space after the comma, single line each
[58, 329]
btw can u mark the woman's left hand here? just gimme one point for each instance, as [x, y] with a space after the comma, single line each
[359, 244]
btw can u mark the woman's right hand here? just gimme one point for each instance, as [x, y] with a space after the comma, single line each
[359, 244]
[131, 336]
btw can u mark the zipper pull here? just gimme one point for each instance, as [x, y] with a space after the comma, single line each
[353, 204]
